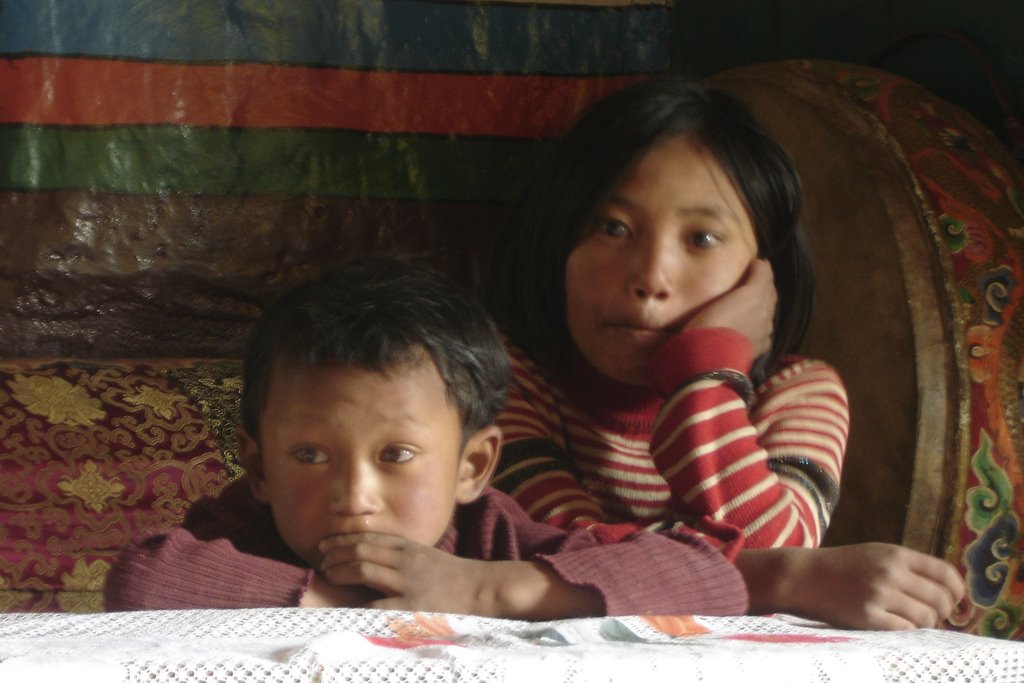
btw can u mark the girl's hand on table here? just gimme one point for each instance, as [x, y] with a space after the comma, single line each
[862, 586]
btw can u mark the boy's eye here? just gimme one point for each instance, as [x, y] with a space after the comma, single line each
[397, 454]
[310, 456]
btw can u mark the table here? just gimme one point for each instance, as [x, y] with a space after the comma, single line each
[348, 645]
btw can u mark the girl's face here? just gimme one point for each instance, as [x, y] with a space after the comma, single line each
[673, 236]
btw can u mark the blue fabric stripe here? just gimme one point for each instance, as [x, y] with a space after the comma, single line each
[406, 35]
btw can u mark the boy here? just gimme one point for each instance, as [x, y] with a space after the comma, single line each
[368, 439]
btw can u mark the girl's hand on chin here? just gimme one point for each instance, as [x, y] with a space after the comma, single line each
[748, 308]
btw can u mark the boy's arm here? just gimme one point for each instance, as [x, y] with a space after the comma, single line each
[415, 577]
[864, 586]
[174, 570]
[513, 567]
[671, 572]
[227, 554]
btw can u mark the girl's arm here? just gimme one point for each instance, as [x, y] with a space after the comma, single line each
[535, 469]
[864, 586]
[767, 461]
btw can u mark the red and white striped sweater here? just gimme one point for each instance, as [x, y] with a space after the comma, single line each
[689, 452]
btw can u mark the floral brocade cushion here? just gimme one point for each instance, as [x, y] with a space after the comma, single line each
[93, 453]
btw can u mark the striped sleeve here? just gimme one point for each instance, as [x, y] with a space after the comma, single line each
[534, 469]
[771, 469]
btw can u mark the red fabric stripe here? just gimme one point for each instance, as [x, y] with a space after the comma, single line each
[819, 401]
[647, 510]
[621, 486]
[783, 442]
[95, 92]
[544, 486]
[573, 506]
[610, 466]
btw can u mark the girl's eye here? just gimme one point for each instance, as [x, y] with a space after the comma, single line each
[310, 456]
[398, 454]
[613, 228]
[702, 238]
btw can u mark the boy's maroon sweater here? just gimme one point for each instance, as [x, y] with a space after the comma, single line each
[228, 554]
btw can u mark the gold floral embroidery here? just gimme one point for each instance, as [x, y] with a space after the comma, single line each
[86, 576]
[89, 512]
[91, 487]
[57, 400]
[80, 602]
[216, 389]
[162, 402]
[11, 600]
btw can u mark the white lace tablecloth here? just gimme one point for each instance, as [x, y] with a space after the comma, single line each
[284, 645]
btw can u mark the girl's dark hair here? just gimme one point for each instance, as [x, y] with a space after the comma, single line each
[525, 280]
[381, 314]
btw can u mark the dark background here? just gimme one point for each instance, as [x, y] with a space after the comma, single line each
[948, 44]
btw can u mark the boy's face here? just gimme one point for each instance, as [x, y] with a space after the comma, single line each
[345, 450]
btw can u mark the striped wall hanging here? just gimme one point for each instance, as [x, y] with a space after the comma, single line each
[215, 149]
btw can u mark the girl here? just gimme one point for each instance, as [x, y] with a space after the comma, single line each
[653, 281]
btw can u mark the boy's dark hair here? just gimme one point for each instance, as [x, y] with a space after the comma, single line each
[525, 287]
[380, 314]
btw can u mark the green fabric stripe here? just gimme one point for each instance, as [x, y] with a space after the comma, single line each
[155, 159]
